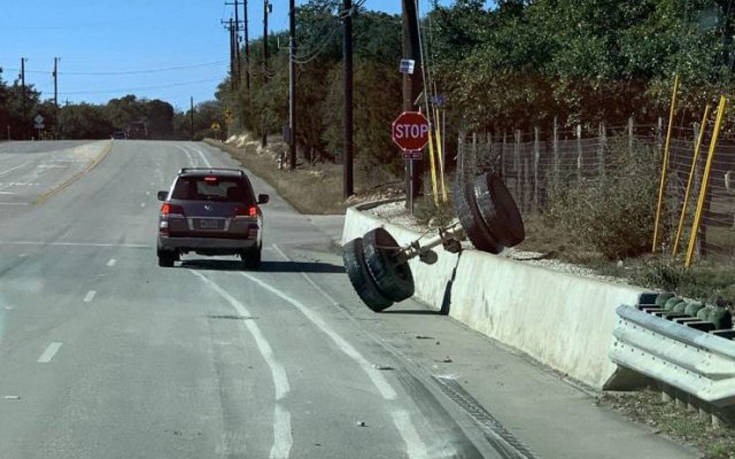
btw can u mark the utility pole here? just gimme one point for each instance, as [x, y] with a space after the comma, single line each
[192, 117]
[266, 5]
[292, 82]
[348, 186]
[247, 43]
[23, 86]
[411, 89]
[236, 43]
[56, 83]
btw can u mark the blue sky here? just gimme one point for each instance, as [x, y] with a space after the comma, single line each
[127, 36]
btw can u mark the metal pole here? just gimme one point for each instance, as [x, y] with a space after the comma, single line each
[348, 186]
[237, 44]
[247, 43]
[665, 165]
[410, 87]
[264, 140]
[191, 100]
[292, 83]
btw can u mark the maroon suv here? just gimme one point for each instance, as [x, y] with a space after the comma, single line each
[210, 211]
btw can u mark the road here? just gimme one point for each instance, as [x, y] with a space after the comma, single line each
[105, 355]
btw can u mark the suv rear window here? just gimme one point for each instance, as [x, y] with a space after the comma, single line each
[212, 188]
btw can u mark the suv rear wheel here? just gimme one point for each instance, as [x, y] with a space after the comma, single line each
[166, 258]
[251, 258]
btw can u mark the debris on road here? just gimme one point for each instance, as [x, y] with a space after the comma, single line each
[447, 360]
[424, 337]
[382, 367]
[361, 424]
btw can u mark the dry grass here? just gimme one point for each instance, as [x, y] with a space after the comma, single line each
[310, 189]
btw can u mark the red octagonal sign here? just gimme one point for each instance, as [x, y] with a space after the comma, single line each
[410, 131]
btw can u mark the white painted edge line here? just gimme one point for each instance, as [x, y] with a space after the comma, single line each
[89, 296]
[282, 440]
[111, 263]
[201, 155]
[14, 204]
[50, 352]
[415, 447]
[76, 244]
[382, 384]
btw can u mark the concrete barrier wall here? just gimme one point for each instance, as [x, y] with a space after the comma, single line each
[561, 320]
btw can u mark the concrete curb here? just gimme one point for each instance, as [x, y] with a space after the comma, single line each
[42, 198]
[560, 320]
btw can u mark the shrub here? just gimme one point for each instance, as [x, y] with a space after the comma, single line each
[614, 213]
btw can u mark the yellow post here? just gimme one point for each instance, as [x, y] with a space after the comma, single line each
[705, 181]
[682, 218]
[431, 162]
[440, 155]
[664, 165]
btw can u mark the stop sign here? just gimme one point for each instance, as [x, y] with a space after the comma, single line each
[410, 131]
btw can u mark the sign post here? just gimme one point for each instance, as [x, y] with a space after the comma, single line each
[38, 124]
[410, 131]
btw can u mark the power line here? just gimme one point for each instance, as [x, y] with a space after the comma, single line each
[144, 88]
[126, 72]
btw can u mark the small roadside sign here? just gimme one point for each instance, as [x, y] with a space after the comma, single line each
[215, 126]
[38, 122]
[407, 66]
[415, 155]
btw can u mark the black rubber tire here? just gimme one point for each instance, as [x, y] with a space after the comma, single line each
[393, 278]
[362, 282]
[499, 210]
[166, 259]
[251, 258]
[475, 228]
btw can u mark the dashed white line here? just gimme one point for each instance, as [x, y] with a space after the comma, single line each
[111, 263]
[14, 204]
[282, 440]
[90, 296]
[49, 353]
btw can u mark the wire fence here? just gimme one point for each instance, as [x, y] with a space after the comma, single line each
[534, 164]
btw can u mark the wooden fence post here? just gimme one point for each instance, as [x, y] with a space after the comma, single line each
[536, 157]
[579, 152]
[630, 135]
[555, 147]
[601, 148]
[502, 156]
[473, 163]
[659, 135]
[517, 163]
[526, 184]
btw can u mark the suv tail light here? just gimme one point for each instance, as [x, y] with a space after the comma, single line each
[171, 210]
[251, 211]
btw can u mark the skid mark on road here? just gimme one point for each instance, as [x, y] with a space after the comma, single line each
[282, 440]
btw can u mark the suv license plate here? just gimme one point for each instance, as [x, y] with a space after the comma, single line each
[209, 224]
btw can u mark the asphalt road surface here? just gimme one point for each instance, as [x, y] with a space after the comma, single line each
[105, 355]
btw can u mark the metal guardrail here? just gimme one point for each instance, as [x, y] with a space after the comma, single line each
[691, 360]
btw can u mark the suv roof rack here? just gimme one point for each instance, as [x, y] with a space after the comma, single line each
[184, 170]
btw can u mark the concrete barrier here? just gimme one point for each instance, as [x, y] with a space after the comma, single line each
[560, 320]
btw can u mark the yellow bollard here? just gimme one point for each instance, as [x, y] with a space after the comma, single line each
[705, 181]
[440, 156]
[665, 165]
[433, 166]
[692, 171]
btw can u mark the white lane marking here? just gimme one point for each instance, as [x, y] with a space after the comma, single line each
[201, 155]
[147, 193]
[382, 384]
[90, 296]
[142, 204]
[77, 244]
[14, 204]
[111, 263]
[282, 439]
[7, 192]
[415, 448]
[49, 353]
[7, 171]
[189, 157]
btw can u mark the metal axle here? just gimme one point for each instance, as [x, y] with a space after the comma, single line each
[449, 237]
